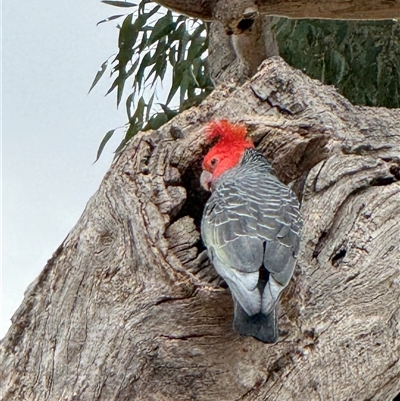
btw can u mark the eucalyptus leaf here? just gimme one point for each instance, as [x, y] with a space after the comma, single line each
[149, 106]
[99, 75]
[162, 27]
[120, 147]
[192, 77]
[103, 143]
[133, 68]
[153, 40]
[172, 56]
[195, 48]
[124, 4]
[113, 17]
[140, 111]
[156, 121]
[146, 62]
[182, 47]
[184, 85]
[176, 81]
[170, 113]
[177, 34]
[132, 131]
[128, 104]
[113, 86]
[120, 89]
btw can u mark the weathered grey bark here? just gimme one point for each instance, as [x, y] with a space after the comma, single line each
[129, 308]
[237, 57]
[232, 10]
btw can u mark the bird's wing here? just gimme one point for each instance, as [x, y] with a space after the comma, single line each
[250, 221]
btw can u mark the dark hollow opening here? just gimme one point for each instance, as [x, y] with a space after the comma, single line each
[338, 257]
[245, 24]
[196, 198]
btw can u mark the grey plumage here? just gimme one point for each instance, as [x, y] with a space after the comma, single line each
[251, 228]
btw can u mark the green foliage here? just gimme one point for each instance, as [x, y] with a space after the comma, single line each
[361, 58]
[156, 46]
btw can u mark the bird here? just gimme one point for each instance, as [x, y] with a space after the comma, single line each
[251, 227]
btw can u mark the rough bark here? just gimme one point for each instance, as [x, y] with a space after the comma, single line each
[129, 308]
[237, 57]
[224, 10]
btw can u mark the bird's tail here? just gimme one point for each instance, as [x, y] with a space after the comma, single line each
[263, 327]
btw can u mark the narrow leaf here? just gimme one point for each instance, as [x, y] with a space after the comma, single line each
[161, 30]
[148, 106]
[132, 69]
[99, 75]
[153, 71]
[144, 3]
[176, 80]
[145, 63]
[193, 79]
[120, 147]
[162, 69]
[113, 17]
[195, 48]
[177, 33]
[183, 42]
[184, 86]
[152, 12]
[156, 121]
[196, 33]
[143, 42]
[140, 112]
[181, 18]
[113, 86]
[132, 131]
[168, 112]
[171, 56]
[159, 68]
[120, 89]
[161, 48]
[129, 102]
[119, 3]
[126, 40]
[103, 143]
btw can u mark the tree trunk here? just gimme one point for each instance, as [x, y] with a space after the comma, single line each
[128, 307]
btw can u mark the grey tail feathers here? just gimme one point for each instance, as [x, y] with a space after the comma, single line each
[262, 327]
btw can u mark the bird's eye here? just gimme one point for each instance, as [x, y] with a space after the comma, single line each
[213, 162]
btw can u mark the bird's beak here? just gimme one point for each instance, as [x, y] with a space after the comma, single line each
[205, 180]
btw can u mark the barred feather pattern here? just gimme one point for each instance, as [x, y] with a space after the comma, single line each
[252, 221]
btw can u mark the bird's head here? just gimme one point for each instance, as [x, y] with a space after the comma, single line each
[226, 153]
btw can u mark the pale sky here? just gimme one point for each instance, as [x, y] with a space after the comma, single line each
[51, 129]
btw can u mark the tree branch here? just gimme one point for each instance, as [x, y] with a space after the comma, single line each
[332, 9]
[324, 9]
[193, 8]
